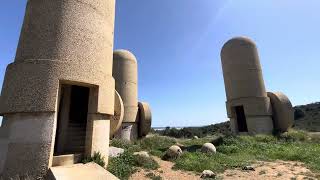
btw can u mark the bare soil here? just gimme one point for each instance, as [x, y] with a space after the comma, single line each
[282, 170]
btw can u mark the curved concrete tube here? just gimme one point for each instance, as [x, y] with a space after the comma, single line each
[117, 119]
[145, 119]
[248, 106]
[283, 113]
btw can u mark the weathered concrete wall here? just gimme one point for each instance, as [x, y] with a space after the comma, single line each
[244, 85]
[128, 131]
[29, 144]
[61, 42]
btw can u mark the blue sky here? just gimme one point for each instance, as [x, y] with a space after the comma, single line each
[178, 42]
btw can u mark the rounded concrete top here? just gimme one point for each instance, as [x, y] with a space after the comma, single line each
[283, 113]
[240, 39]
[238, 48]
[122, 54]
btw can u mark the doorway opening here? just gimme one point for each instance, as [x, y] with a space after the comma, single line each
[241, 119]
[72, 120]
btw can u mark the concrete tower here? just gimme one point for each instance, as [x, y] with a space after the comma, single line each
[125, 73]
[58, 94]
[248, 105]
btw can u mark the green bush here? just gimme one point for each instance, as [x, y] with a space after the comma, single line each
[122, 166]
[294, 136]
[145, 162]
[96, 158]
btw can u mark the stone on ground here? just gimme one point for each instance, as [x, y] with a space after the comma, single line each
[115, 152]
[208, 148]
[207, 174]
[173, 152]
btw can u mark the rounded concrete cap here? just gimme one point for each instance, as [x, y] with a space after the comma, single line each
[238, 46]
[145, 119]
[283, 113]
[117, 119]
[122, 54]
[236, 41]
[174, 151]
[208, 148]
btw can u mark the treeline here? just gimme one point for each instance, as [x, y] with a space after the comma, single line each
[189, 132]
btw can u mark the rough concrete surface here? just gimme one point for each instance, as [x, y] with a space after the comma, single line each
[80, 172]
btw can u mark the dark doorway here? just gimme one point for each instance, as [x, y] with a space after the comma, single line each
[241, 119]
[72, 120]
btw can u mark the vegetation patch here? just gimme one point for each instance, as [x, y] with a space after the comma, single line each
[96, 158]
[152, 176]
[244, 150]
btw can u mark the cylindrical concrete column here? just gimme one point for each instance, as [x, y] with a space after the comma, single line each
[125, 73]
[245, 89]
[61, 42]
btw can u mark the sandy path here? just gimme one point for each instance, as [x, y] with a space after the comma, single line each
[166, 172]
[281, 170]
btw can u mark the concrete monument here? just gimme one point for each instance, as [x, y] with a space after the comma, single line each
[249, 107]
[58, 95]
[137, 116]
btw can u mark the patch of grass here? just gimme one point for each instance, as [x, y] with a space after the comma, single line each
[96, 158]
[145, 162]
[152, 176]
[233, 152]
[244, 150]
[122, 166]
[156, 145]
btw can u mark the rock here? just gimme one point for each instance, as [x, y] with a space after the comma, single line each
[208, 148]
[248, 168]
[207, 174]
[115, 152]
[195, 137]
[173, 153]
[142, 154]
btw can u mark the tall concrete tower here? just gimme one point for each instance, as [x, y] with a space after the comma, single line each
[125, 73]
[248, 105]
[58, 94]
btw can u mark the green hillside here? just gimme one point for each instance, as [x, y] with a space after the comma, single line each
[307, 117]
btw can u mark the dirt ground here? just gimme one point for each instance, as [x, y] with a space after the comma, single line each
[282, 170]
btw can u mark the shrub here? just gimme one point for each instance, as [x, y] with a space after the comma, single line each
[298, 113]
[145, 162]
[294, 135]
[122, 166]
[96, 158]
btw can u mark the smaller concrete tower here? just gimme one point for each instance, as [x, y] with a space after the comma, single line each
[137, 115]
[125, 72]
[248, 105]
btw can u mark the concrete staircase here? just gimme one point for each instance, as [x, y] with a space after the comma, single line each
[75, 142]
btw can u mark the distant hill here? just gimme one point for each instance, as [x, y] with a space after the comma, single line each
[307, 117]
